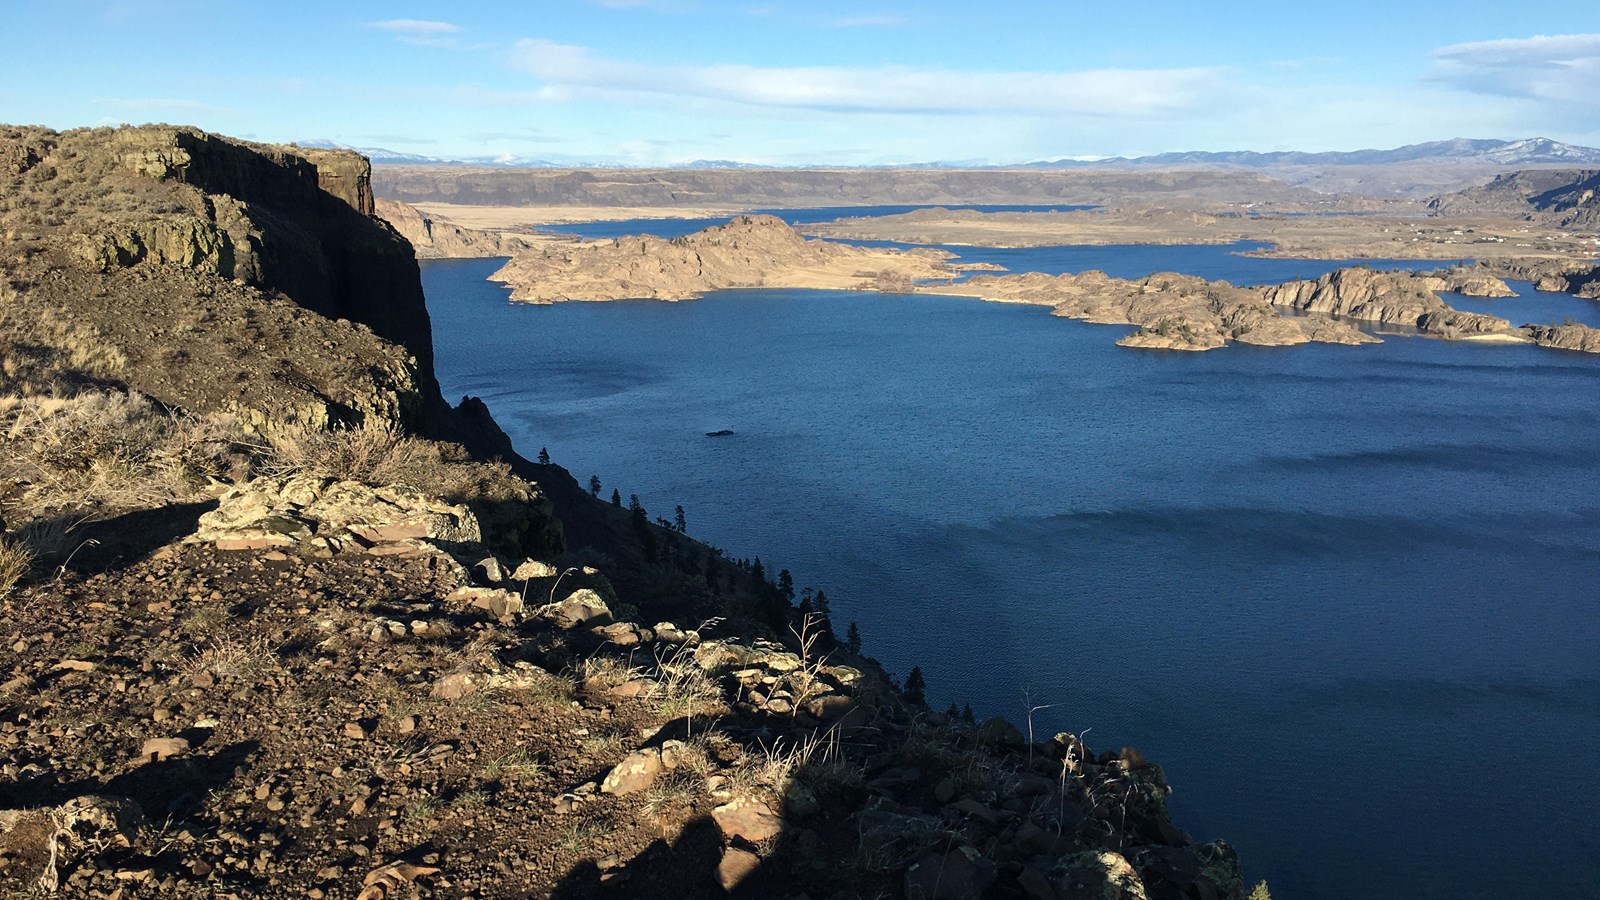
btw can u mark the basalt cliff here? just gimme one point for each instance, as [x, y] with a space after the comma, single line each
[282, 623]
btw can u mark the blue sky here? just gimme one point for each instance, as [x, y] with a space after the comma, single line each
[655, 82]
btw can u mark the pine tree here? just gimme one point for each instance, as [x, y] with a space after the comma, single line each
[594, 485]
[852, 639]
[616, 497]
[544, 456]
[679, 523]
[967, 716]
[916, 687]
[633, 503]
[757, 572]
[819, 605]
[786, 585]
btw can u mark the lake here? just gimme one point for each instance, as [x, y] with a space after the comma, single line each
[1348, 597]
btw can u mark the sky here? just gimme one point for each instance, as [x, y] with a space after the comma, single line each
[868, 82]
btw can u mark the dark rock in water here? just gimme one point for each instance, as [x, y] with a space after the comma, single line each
[722, 433]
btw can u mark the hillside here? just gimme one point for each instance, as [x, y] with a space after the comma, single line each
[1563, 198]
[776, 188]
[284, 624]
[750, 251]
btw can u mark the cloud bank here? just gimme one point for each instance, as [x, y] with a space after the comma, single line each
[1555, 69]
[897, 89]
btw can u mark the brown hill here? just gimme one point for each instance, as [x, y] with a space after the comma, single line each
[1564, 198]
[750, 251]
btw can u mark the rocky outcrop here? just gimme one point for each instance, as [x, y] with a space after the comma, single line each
[1394, 298]
[223, 275]
[1565, 337]
[1563, 198]
[435, 237]
[750, 251]
[1578, 277]
[1173, 312]
[323, 516]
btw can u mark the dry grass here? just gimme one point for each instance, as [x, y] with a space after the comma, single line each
[230, 658]
[42, 354]
[16, 560]
[375, 452]
[101, 453]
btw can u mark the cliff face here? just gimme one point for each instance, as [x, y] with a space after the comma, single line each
[214, 274]
[1394, 298]
[435, 237]
[1565, 198]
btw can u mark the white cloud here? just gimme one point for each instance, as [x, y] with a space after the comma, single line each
[1122, 93]
[420, 31]
[1562, 69]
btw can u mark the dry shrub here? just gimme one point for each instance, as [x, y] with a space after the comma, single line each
[374, 452]
[105, 452]
[15, 562]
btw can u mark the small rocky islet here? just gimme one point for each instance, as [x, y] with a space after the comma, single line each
[286, 623]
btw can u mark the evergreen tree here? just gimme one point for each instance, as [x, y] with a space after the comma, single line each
[679, 523]
[967, 716]
[852, 639]
[594, 485]
[757, 572]
[820, 606]
[952, 713]
[633, 503]
[616, 497]
[544, 456]
[786, 585]
[916, 687]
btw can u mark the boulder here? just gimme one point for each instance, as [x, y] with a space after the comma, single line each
[163, 748]
[961, 874]
[583, 607]
[1096, 875]
[637, 771]
[532, 568]
[736, 866]
[747, 820]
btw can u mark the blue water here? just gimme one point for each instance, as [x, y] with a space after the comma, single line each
[1348, 597]
[1531, 306]
[671, 228]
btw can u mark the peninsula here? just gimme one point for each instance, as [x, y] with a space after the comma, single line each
[1171, 311]
[750, 251]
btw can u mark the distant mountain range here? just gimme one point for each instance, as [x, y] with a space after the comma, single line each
[1498, 154]
[1529, 151]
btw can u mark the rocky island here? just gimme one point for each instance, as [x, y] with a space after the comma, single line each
[748, 252]
[283, 622]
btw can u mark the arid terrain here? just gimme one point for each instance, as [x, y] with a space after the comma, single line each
[284, 623]
[1301, 237]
